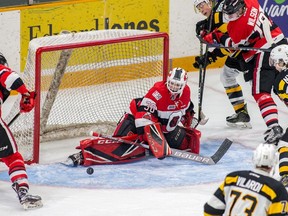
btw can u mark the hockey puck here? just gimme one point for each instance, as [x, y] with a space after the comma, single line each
[90, 170]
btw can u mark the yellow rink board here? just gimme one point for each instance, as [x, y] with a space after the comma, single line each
[85, 15]
[107, 75]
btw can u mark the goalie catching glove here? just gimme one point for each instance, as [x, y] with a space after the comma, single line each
[27, 102]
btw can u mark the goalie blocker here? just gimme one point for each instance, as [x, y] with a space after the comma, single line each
[101, 150]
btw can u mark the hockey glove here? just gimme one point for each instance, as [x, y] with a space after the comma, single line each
[200, 60]
[213, 37]
[27, 101]
[201, 26]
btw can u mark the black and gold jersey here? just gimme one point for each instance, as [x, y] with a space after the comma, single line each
[281, 86]
[247, 192]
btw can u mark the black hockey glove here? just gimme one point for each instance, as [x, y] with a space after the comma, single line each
[201, 26]
[200, 60]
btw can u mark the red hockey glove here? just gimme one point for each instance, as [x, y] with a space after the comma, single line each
[27, 101]
[213, 37]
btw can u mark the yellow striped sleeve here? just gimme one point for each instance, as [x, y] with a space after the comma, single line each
[267, 190]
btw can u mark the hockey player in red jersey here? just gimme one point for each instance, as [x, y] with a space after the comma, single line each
[232, 68]
[250, 26]
[279, 59]
[168, 103]
[251, 192]
[10, 80]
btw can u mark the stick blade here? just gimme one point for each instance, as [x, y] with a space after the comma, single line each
[221, 150]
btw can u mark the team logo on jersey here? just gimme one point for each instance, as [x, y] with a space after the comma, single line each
[157, 95]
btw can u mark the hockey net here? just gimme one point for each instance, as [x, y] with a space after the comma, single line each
[85, 81]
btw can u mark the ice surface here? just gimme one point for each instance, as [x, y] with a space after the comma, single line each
[169, 187]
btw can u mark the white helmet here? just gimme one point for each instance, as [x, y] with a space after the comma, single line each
[176, 80]
[265, 155]
[279, 56]
[197, 2]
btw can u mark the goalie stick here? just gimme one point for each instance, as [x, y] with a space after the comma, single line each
[225, 145]
[216, 45]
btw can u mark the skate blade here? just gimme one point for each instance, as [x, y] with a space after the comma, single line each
[67, 162]
[32, 205]
[240, 125]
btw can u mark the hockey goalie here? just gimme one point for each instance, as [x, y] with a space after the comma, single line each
[161, 119]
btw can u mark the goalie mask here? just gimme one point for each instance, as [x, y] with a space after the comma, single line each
[177, 80]
[3, 60]
[265, 155]
[279, 57]
[233, 9]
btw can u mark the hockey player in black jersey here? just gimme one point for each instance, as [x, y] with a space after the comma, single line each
[279, 59]
[251, 192]
[232, 67]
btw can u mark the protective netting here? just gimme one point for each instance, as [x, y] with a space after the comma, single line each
[85, 81]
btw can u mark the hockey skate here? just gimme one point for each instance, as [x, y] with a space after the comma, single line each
[284, 180]
[74, 160]
[27, 200]
[273, 135]
[241, 119]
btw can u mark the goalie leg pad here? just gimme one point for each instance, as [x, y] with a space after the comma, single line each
[157, 141]
[184, 138]
[104, 151]
[126, 126]
[193, 138]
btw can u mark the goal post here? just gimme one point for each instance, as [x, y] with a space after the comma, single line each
[85, 81]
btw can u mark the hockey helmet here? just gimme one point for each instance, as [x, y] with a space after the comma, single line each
[176, 80]
[279, 57]
[231, 9]
[264, 155]
[3, 60]
[197, 2]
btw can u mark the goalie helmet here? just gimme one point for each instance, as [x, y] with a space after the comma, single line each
[177, 80]
[264, 155]
[231, 9]
[279, 57]
[3, 60]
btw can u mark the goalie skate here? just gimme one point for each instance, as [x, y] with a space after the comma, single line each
[240, 119]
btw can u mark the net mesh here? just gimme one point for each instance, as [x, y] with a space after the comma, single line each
[86, 81]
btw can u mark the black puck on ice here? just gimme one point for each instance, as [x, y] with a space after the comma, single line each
[90, 170]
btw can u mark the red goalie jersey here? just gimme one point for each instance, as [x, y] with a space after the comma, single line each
[167, 103]
[158, 105]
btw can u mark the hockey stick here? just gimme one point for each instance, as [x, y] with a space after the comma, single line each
[202, 74]
[232, 48]
[13, 119]
[225, 145]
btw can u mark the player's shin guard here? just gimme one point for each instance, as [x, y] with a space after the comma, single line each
[267, 108]
[17, 170]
